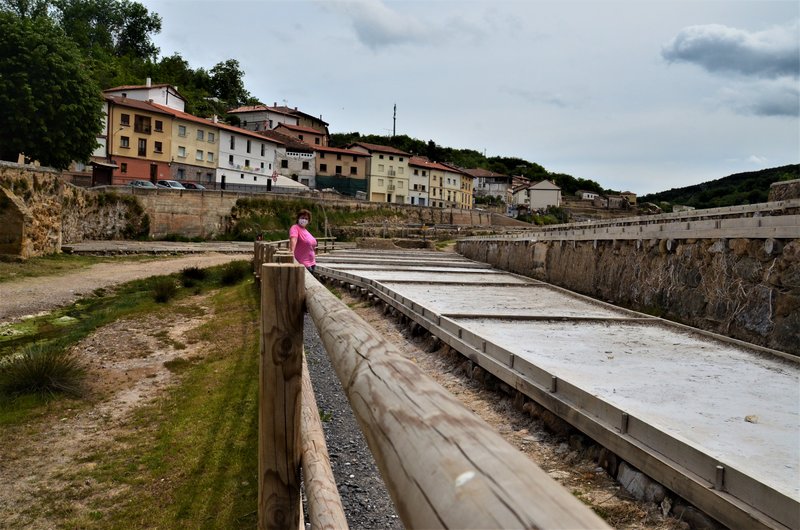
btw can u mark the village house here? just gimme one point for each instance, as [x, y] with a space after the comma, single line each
[344, 170]
[388, 172]
[263, 117]
[293, 159]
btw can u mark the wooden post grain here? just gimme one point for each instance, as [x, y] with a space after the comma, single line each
[443, 466]
[280, 374]
[324, 504]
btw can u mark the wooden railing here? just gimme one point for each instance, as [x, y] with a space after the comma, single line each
[443, 466]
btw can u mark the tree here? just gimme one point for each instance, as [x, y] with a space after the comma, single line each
[26, 8]
[50, 107]
[227, 84]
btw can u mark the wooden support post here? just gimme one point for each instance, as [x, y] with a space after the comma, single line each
[280, 374]
[324, 504]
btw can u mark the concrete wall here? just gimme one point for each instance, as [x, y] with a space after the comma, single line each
[748, 289]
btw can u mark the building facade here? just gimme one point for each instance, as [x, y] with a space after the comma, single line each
[388, 173]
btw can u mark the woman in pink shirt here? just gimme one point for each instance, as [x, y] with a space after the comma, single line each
[302, 242]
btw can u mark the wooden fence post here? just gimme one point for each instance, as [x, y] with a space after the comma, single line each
[280, 374]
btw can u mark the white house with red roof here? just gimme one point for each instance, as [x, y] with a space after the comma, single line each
[263, 117]
[293, 158]
[163, 94]
[247, 161]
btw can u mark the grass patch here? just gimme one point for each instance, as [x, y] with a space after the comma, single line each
[46, 369]
[72, 324]
[189, 460]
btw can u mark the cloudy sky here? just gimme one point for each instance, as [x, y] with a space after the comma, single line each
[639, 95]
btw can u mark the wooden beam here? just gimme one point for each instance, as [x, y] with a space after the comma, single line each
[324, 504]
[444, 467]
[280, 373]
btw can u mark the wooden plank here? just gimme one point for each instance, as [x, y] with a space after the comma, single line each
[444, 467]
[324, 503]
[280, 373]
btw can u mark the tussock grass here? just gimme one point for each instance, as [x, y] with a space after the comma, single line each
[42, 368]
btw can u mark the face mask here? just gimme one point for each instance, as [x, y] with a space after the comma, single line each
[302, 222]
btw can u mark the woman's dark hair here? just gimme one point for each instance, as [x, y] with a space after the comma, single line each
[303, 212]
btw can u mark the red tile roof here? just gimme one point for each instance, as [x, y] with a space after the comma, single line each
[289, 141]
[136, 104]
[209, 123]
[327, 149]
[300, 128]
[379, 148]
[421, 161]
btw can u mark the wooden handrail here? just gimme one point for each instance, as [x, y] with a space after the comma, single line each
[444, 467]
[324, 504]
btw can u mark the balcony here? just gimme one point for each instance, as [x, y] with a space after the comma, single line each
[390, 187]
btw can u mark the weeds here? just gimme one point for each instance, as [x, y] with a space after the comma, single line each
[234, 272]
[164, 290]
[42, 368]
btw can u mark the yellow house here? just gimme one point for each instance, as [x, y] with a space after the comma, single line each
[195, 148]
[389, 173]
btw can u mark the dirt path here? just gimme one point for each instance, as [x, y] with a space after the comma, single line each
[30, 296]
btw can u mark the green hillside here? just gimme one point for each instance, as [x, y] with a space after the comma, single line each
[741, 188]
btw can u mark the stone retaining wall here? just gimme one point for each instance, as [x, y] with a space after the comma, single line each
[741, 288]
[783, 191]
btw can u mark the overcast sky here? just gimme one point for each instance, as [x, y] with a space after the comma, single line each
[641, 95]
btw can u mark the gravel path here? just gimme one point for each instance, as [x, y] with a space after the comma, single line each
[30, 296]
[366, 501]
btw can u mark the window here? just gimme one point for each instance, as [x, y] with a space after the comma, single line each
[401, 159]
[305, 164]
[181, 151]
[391, 158]
[338, 157]
[262, 165]
[159, 126]
[201, 134]
[181, 173]
[211, 138]
[354, 170]
[322, 155]
[300, 137]
[380, 167]
[157, 147]
[125, 120]
[380, 182]
[246, 163]
[123, 167]
[210, 156]
[248, 146]
[416, 171]
[141, 124]
[284, 164]
[198, 155]
[124, 142]
[233, 142]
[323, 168]
[355, 158]
[380, 156]
[338, 170]
[423, 173]
[197, 175]
[401, 170]
[182, 130]
[316, 141]
[142, 147]
[230, 159]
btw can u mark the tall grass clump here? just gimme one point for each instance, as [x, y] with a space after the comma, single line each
[42, 368]
[234, 272]
[190, 276]
[164, 290]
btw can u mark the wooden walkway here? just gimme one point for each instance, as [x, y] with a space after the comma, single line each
[714, 420]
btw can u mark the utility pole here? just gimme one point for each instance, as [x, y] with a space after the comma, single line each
[394, 121]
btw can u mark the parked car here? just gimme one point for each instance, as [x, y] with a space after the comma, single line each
[171, 184]
[141, 184]
[193, 186]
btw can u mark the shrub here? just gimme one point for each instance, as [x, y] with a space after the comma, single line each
[43, 368]
[191, 275]
[164, 290]
[234, 272]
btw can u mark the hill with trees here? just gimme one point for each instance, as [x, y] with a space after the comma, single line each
[470, 159]
[741, 188]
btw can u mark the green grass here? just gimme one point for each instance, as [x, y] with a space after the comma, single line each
[56, 264]
[69, 325]
[189, 460]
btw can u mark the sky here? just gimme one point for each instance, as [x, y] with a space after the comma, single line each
[638, 95]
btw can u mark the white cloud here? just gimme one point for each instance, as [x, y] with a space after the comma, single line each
[758, 160]
[377, 26]
[774, 52]
[779, 97]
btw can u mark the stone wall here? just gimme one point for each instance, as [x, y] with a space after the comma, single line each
[741, 288]
[783, 191]
[38, 211]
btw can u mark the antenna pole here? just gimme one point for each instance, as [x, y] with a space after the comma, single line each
[394, 121]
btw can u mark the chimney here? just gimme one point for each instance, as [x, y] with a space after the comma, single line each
[148, 82]
[124, 95]
[274, 103]
[215, 119]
